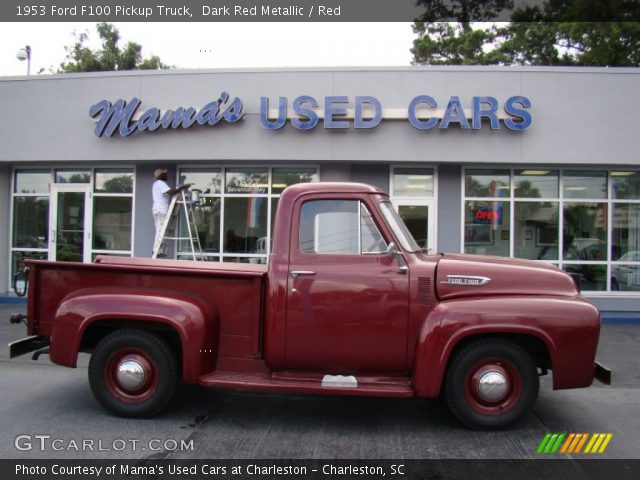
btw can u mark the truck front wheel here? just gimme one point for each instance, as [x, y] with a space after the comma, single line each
[491, 383]
[133, 373]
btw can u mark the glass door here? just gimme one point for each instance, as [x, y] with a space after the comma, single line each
[70, 223]
[418, 215]
[413, 196]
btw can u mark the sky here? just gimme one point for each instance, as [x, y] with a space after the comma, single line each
[220, 45]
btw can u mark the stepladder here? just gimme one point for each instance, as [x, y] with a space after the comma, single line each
[180, 224]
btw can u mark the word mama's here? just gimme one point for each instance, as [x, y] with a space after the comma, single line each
[121, 116]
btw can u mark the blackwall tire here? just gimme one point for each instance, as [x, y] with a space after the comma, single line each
[491, 383]
[133, 373]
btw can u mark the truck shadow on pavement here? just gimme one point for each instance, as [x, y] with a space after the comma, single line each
[260, 425]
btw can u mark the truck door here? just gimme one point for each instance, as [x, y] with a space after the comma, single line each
[347, 302]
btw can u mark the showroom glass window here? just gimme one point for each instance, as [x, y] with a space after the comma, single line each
[111, 201]
[113, 192]
[487, 212]
[236, 207]
[585, 221]
[30, 228]
[625, 230]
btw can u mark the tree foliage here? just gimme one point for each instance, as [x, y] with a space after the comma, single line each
[81, 58]
[456, 43]
[558, 32]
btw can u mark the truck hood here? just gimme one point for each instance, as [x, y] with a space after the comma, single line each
[477, 275]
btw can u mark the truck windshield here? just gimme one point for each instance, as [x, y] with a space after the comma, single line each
[400, 230]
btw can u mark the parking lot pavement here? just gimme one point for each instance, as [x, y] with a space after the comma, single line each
[38, 398]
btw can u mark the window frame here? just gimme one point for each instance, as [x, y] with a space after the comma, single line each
[609, 202]
[92, 194]
[221, 255]
[431, 202]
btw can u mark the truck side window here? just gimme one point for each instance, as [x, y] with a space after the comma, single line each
[371, 239]
[342, 227]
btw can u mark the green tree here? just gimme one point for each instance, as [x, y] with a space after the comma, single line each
[574, 32]
[80, 58]
[560, 32]
[461, 41]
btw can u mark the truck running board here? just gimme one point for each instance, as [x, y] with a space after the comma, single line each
[311, 383]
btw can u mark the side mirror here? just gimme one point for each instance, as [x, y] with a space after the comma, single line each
[392, 250]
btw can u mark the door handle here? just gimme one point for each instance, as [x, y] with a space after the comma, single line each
[297, 273]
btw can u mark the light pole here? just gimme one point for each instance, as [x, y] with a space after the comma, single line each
[25, 54]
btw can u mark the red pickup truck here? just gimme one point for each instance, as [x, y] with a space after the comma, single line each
[347, 305]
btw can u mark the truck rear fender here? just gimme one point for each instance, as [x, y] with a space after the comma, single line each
[192, 318]
[453, 324]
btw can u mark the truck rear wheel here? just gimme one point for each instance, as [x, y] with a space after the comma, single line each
[133, 373]
[491, 384]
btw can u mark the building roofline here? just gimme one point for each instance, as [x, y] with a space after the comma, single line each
[277, 70]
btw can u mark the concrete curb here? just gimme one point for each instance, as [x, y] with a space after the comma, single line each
[12, 300]
[613, 318]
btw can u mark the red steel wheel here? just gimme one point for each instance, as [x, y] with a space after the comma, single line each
[491, 383]
[493, 386]
[133, 373]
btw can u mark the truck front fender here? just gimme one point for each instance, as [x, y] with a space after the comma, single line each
[567, 326]
[193, 318]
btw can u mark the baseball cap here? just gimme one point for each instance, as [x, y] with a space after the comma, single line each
[158, 172]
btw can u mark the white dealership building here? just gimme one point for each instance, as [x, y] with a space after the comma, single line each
[536, 163]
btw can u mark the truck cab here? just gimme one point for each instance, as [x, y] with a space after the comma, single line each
[348, 304]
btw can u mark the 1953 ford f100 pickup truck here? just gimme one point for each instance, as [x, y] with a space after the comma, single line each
[347, 305]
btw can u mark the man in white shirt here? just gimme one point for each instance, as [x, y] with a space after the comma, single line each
[162, 194]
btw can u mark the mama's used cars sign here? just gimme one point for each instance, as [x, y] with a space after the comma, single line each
[305, 113]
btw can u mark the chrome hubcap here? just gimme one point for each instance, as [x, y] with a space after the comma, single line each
[131, 375]
[493, 386]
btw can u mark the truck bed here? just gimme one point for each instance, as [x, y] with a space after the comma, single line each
[236, 290]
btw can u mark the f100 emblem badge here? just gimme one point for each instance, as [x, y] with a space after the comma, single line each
[466, 280]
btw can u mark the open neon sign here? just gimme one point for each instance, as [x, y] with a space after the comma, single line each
[488, 215]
